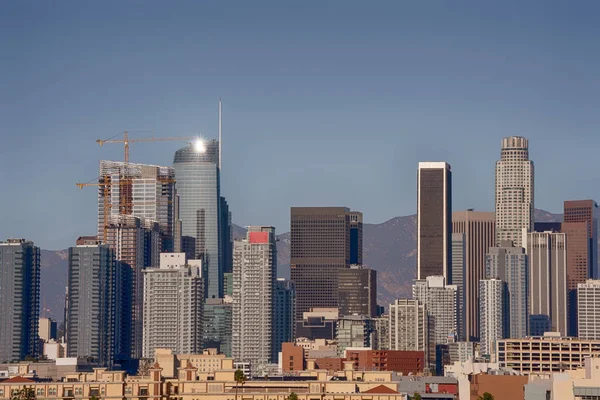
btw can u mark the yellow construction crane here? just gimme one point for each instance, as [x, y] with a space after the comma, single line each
[126, 141]
[104, 182]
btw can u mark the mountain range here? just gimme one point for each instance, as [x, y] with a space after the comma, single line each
[389, 247]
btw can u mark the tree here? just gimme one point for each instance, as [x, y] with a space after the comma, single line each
[144, 366]
[94, 397]
[293, 396]
[239, 378]
[23, 394]
[486, 396]
[416, 396]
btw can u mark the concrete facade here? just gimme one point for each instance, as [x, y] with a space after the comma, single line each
[545, 354]
[588, 309]
[514, 191]
[254, 275]
[547, 256]
[479, 229]
[173, 308]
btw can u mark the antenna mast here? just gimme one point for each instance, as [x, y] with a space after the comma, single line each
[220, 137]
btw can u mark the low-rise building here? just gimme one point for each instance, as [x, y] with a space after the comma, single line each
[317, 348]
[404, 362]
[500, 386]
[207, 362]
[545, 354]
[219, 385]
[579, 384]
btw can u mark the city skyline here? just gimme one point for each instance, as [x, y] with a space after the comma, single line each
[435, 97]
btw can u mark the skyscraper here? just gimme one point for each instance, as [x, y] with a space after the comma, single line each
[586, 211]
[578, 261]
[19, 299]
[173, 306]
[48, 329]
[140, 190]
[588, 309]
[479, 229]
[197, 172]
[547, 254]
[93, 299]
[458, 279]
[226, 237]
[356, 238]
[441, 304]
[434, 220]
[358, 291]
[320, 246]
[509, 264]
[284, 311]
[218, 320]
[514, 190]
[493, 308]
[254, 274]
[408, 327]
[354, 331]
[131, 238]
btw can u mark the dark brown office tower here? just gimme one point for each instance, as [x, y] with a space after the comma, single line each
[479, 229]
[320, 246]
[358, 291]
[578, 260]
[434, 220]
[586, 211]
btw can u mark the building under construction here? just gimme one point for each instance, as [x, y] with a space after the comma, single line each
[139, 190]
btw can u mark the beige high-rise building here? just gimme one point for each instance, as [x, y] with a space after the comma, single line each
[547, 253]
[479, 229]
[254, 274]
[173, 306]
[514, 191]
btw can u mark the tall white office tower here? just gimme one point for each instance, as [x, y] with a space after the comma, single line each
[254, 274]
[514, 191]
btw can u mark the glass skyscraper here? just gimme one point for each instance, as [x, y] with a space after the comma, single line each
[198, 185]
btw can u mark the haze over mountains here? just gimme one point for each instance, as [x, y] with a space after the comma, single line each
[389, 247]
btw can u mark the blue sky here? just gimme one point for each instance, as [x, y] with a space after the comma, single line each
[325, 102]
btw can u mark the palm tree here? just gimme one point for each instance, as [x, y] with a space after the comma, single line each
[416, 396]
[24, 394]
[239, 377]
[486, 396]
[292, 396]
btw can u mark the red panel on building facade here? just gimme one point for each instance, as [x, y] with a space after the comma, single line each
[259, 237]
